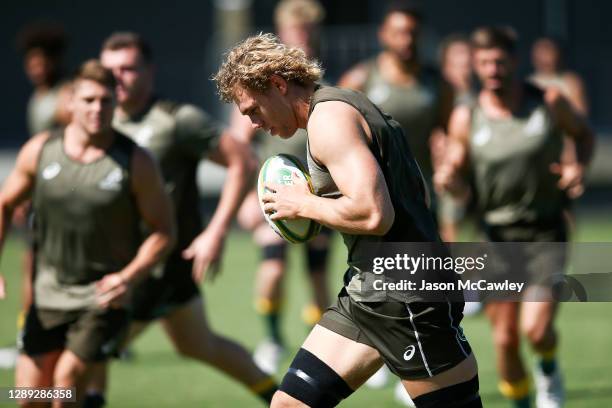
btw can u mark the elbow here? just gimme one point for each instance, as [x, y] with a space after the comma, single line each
[380, 222]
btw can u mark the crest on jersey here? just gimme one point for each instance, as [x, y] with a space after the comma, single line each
[51, 171]
[112, 181]
[379, 94]
[483, 136]
[143, 136]
[536, 124]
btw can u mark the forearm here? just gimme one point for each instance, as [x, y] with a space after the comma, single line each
[150, 252]
[6, 215]
[345, 215]
[585, 144]
[237, 184]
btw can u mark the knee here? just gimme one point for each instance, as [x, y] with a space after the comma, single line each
[506, 338]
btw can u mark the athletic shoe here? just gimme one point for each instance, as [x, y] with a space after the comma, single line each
[402, 396]
[268, 356]
[549, 388]
[379, 379]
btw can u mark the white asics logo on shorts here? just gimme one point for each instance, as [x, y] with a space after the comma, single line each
[51, 171]
[409, 353]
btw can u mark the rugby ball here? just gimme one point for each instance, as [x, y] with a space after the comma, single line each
[279, 169]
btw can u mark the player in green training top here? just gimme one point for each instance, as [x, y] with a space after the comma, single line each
[92, 188]
[298, 24]
[512, 139]
[179, 136]
[369, 188]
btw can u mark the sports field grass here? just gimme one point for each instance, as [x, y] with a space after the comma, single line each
[157, 377]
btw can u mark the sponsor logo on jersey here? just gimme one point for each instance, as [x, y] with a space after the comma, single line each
[112, 181]
[536, 124]
[51, 171]
[143, 136]
[409, 353]
[379, 94]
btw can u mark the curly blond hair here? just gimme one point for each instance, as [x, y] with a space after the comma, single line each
[252, 62]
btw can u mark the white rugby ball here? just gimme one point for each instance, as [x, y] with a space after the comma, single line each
[279, 169]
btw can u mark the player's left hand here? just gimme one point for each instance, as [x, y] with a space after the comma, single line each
[571, 178]
[284, 201]
[111, 290]
[205, 252]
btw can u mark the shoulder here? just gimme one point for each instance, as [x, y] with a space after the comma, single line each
[29, 154]
[357, 76]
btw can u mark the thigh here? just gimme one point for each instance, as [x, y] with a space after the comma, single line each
[503, 314]
[36, 371]
[187, 326]
[353, 361]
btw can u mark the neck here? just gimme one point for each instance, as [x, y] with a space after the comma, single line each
[301, 106]
[82, 139]
[410, 66]
[132, 108]
[507, 97]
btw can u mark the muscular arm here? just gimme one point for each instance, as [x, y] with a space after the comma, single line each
[572, 124]
[338, 141]
[155, 211]
[18, 186]
[241, 164]
[448, 174]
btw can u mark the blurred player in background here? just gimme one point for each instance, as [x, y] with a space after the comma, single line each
[43, 46]
[396, 80]
[297, 24]
[369, 188]
[92, 189]
[512, 139]
[547, 61]
[179, 136]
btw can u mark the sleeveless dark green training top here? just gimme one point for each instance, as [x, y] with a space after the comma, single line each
[87, 222]
[414, 221]
[511, 161]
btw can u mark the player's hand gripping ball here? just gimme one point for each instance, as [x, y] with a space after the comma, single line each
[279, 169]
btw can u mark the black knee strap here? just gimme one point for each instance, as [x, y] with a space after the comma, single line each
[317, 258]
[313, 382]
[274, 252]
[462, 395]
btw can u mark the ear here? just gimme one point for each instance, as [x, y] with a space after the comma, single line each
[279, 83]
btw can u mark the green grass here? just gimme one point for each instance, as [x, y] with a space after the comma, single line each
[158, 377]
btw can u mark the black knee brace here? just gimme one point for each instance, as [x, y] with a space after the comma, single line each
[274, 252]
[313, 382]
[317, 259]
[462, 395]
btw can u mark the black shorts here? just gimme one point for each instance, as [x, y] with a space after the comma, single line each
[93, 335]
[416, 340]
[157, 296]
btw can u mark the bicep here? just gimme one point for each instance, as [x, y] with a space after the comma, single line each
[343, 149]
